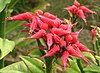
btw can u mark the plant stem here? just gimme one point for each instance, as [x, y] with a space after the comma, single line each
[80, 65]
[1, 63]
[2, 32]
[48, 60]
[49, 68]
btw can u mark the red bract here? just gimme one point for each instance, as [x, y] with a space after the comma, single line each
[20, 17]
[68, 38]
[33, 24]
[49, 37]
[64, 58]
[63, 26]
[80, 13]
[38, 35]
[50, 22]
[41, 24]
[76, 53]
[53, 51]
[93, 32]
[36, 12]
[76, 3]
[49, 15]
[83, 48]
[75, 35]
[26, 25]
[85, 9]
[59, 31]
[59, 41]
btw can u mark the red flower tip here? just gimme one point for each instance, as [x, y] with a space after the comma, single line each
[76, 3]
[49, 37]
[64, 58]
[80, 13]
[21, 17]
[38, 12]
[49, 15]
[37, 35]
[85, 9]
[93, 32]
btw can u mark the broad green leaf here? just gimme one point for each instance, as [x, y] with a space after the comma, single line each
[3, 4]
[93, 68]
[34, 65]
[6, 46]
[18, 67]
[35, 53]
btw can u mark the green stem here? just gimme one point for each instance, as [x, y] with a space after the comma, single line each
[48, 60]
[49, 68]
[1, 63]
[80, 65]
[2, 32]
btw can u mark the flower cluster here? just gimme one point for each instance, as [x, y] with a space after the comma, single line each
[79, 10]
[56, 33]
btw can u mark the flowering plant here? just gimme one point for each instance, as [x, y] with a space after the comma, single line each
[60, 41]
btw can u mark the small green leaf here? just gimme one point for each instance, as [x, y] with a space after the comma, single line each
[42, 42]
[35, 53]
[97, 57]
[3, 4]
[90, 56]
[34, 65]
[18, 67]
[6, 46]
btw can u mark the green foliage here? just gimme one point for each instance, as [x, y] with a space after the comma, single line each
[6, 46]
[35, 53]
[33, 64]
[18, 67]
[93, 68]
[73, 67]
[3, 4]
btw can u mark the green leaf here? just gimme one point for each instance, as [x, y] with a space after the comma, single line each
[11, 26]
[18, 67]
[35, 53]
[97, 57]
[73, 67]
[70, 70]
[93, 68]
[3, 4]
[12, 3]
[90, 56]
[42, 42]
[6, 46]
[34, 65]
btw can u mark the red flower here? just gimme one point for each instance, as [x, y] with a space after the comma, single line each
[79, 10]
[59, 38]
